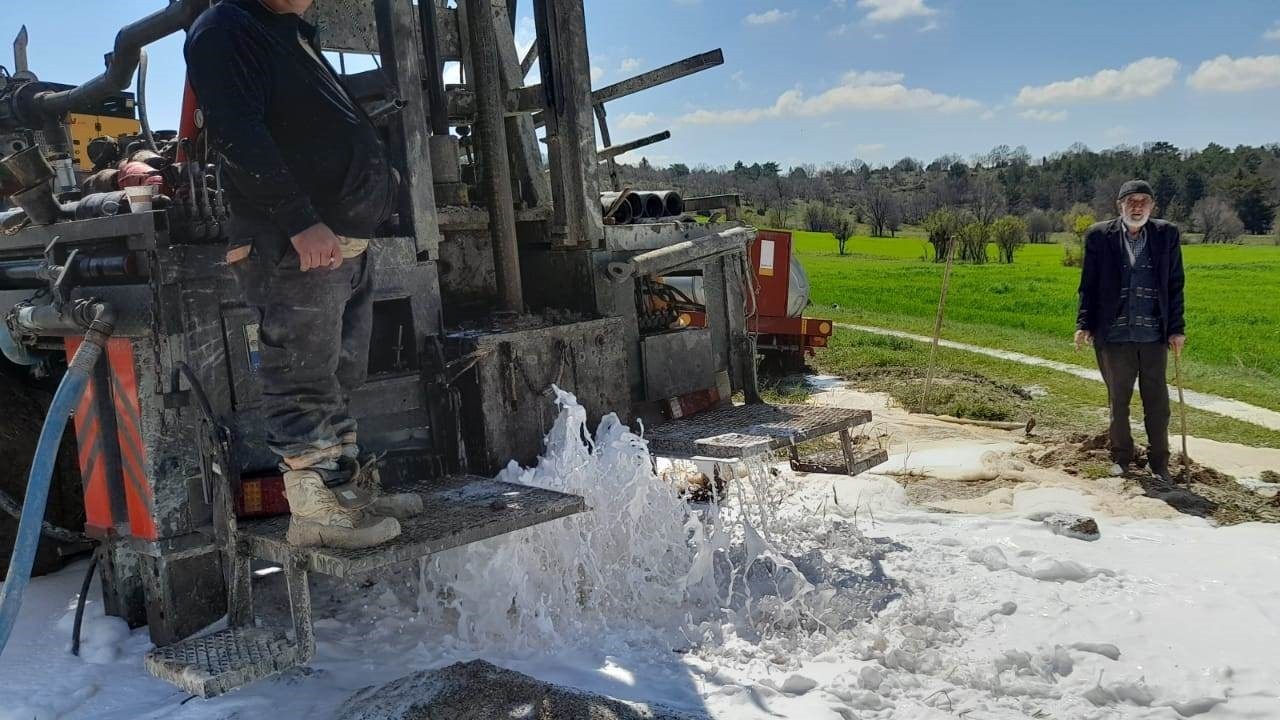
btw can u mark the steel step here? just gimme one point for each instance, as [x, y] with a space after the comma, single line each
[459, 510]
[832, 462]
[744, 431]
[213, 664]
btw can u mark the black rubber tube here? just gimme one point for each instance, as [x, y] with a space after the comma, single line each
[84, 593]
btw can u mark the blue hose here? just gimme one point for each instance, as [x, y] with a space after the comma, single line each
[64, 402]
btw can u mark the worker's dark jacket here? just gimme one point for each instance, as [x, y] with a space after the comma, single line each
[1102, 278]
[299, 150]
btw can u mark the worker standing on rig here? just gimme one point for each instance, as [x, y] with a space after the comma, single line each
[309, 184]
[1131, 310]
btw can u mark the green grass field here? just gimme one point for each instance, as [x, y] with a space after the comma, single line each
[1233, 317]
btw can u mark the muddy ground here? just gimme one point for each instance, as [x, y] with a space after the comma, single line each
[1197, 490]
[22, 411]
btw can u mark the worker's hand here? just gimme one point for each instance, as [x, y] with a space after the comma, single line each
[1176, 342]
[317, 247]
[1083, 337]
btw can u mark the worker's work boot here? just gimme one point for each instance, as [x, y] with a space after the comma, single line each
[365, 476]
[320, 520]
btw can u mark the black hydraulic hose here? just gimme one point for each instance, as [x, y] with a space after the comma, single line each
[84, 593]
[124, 59]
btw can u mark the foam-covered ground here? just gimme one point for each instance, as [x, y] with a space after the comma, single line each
[798, 597]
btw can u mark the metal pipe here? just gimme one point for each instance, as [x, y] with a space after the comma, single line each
[634, 200]
[652, 204]
[24, 275]
[615, 150]
[84, 270]
[490, 135]
[621, 214]
[124, 59]
[39, 204]
[141, 101]
[680, 255]
[672, 203]
[436, 104]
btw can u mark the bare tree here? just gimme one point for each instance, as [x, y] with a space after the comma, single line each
[842, 229]
[880, 204]
[987, 199]
[818, 217]
[1219, 222]
[1104, 195]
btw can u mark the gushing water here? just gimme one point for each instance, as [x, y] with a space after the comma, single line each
[641, 560]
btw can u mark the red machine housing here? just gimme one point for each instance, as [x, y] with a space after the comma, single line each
[782, 339]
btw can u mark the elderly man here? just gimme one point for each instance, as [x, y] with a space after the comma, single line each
[1131, 311]
[309, 183]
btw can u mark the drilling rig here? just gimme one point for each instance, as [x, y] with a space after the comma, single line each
[515, 263]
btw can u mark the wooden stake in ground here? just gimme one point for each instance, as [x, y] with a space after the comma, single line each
[1182, 406]
[937, 324]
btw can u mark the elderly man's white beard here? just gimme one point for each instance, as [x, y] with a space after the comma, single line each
[1135, 224]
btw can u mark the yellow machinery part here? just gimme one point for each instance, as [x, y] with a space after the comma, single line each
[87, 127]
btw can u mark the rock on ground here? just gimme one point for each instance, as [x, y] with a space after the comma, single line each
[1079, 527]
[479, 690]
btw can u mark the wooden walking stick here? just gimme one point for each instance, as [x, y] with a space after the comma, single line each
[1182, 406]
[937, 325]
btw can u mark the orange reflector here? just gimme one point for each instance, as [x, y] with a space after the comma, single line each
[820, 341]
[825, 328]
[684, 320]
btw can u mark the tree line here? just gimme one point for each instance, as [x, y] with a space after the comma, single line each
[1219, 192]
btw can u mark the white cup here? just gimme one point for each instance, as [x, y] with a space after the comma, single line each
[140, 197]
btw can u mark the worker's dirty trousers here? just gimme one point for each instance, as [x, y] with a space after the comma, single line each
[1121, 364]
[314, 346]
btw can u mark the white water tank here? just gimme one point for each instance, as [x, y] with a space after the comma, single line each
[797, 288]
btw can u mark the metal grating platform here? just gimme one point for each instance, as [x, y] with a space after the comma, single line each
[458, 510]
[213, 664]
[831, 462]
[743, 431]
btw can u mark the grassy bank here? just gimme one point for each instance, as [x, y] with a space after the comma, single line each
[1233, 319]
[976, 386]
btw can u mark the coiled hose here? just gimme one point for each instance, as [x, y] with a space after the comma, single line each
[64, 402]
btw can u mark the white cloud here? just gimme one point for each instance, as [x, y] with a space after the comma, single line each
[879, 36]
[1047, 116]
[840, 29]
[988, 115]
[1142, 78]
[894, 10]
[865, 78]
[1118, 133]
[596, 73]
[635, 121]
[929, 26]
[769, 17]
[1228, 74]
[870, 148]
[739, 78]
[629, 65]
[1272, 33]
[856, 91]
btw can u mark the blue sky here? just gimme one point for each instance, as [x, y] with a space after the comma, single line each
[827, 80]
